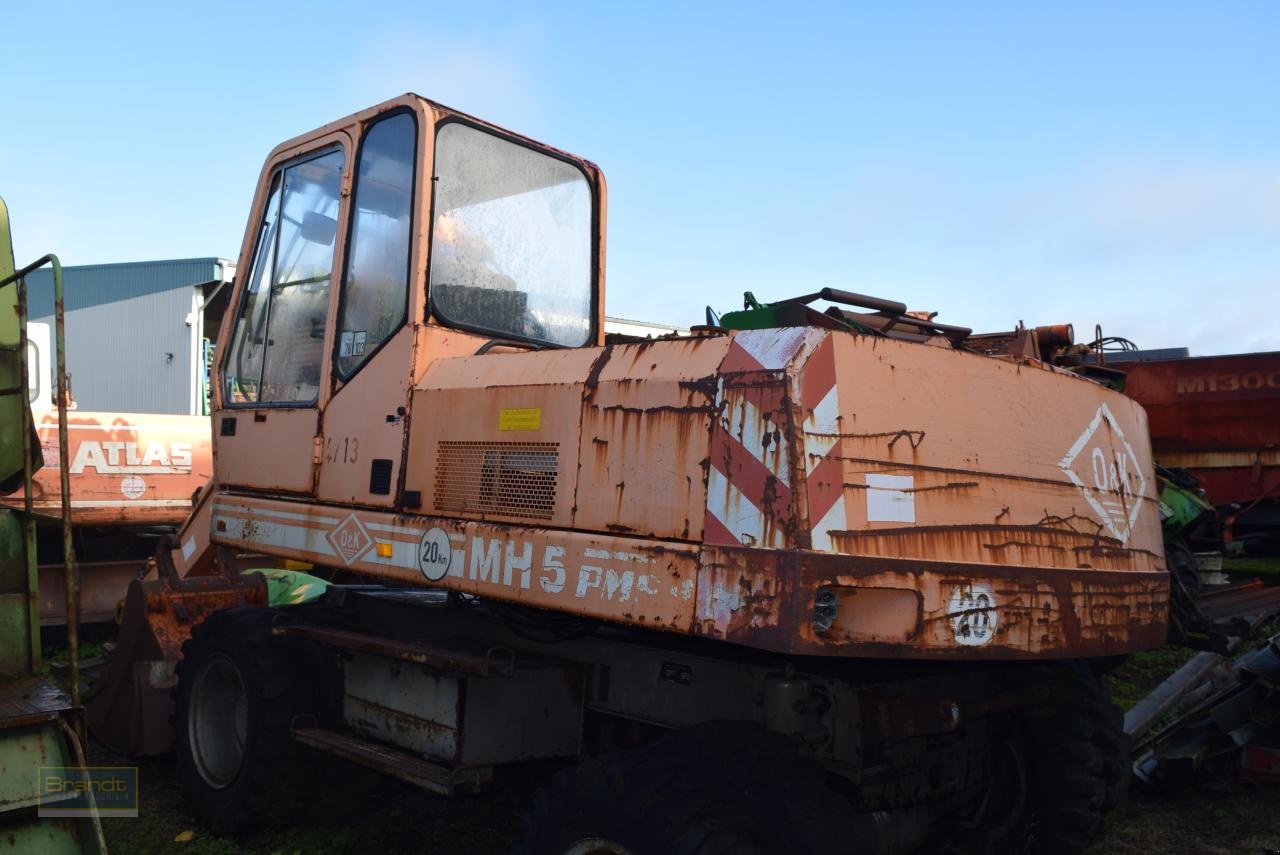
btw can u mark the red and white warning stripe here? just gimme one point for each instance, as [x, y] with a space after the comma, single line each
[824, 475]
[749, 485]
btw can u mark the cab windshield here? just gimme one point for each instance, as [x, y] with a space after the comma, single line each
[511, 240]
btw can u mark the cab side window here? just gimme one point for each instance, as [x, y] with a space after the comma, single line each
[278, 341]
[375, 288]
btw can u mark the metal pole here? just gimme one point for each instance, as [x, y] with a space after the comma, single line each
[71, 570]
[28, 470]
[1147, 712]
[28, 475]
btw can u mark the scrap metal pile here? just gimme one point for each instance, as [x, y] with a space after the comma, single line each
[1213, 718]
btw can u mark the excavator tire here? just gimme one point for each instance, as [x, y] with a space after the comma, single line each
[1181, 562]
[722, 787]
[238, 691]
[1075, 766]
[636, 802]
[793, 809]
[1115, 748]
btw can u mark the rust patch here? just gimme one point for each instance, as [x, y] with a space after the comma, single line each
[951, 470]
[951, 485]
[1038, 612]
[593, 377]
[914, 437]
[1068, 523]
[1003, 544]
[157, 618]
[658, 410]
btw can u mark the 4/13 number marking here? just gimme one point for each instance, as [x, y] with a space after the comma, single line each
[341, 449]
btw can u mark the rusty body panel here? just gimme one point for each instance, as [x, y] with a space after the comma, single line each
[101, 585]
[452, 661]
[630, 580]
[125, 468]
[244, 452]
[646, 412]
[928, 499]
[899, 607]
[764, 494]
[1216, 416]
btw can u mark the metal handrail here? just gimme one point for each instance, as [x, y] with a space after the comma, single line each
[70, 566]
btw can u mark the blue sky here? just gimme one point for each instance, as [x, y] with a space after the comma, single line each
[1113, 163]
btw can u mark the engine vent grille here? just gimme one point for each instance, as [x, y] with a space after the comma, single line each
[514, 479]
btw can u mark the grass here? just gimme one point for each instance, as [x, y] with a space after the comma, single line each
[348, 809]
[88, 650]
[358, 812]
[1201, 820]
[1142, 672]
[1204, 820]
[93, 641]
[1195, 822]
[1267, 567]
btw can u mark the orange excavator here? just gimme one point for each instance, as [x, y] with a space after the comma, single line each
[132, 477]
[801, 579]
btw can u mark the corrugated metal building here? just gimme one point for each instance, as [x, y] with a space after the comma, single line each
[136, 331]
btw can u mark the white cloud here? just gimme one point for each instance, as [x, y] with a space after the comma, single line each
[492, 76]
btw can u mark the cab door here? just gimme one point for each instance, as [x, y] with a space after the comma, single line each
[363, 423]
[266, 429]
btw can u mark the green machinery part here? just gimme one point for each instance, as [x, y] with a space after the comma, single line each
[39, 720]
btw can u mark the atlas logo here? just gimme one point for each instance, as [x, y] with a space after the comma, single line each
[131, 458]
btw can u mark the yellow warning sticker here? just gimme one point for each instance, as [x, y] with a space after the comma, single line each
[525, 418]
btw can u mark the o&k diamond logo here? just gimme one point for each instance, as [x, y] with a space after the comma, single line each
[1102, 464]
[349, 539]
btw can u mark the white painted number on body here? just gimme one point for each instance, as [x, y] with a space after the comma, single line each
[973, 615]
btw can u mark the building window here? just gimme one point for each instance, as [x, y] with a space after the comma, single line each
[375, 290]
[35, 372]
[276, 348]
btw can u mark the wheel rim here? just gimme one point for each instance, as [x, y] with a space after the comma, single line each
[217, 723]
[597, 846]
[1006, 801]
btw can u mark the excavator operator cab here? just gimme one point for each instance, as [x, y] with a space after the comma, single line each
[379, 243]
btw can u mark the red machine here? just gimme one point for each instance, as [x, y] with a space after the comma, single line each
[1218, 417]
